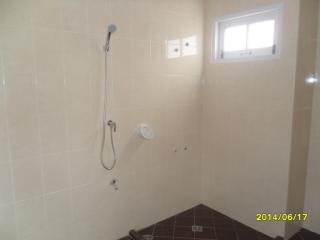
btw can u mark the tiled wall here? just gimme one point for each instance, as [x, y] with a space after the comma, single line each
[52, 185]
[303, 101]
[313, 175]
[247, 115]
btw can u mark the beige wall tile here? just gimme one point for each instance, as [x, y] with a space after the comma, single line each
[24, 135]
[122, 95]
[98, 16]
[30, 217]
[7, 223]
[246, 124]
[121, 13]
[6, 185]
[58, 208]
[53, 133]
[312, 192]
[86, 201]
[4, 147]
[76, 55]
[75, 16]
[141, 57]
[53, 64]
[83, 167]
[48, 50]
[16, 13]
[141, 16]
[47, 14]
[302, 111]
[27, 177]
[55, 173]
[17, 50]
[51, 94]
[80, 131]
[122, 56]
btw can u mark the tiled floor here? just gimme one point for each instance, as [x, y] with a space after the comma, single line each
[216, 226]
[306, 235]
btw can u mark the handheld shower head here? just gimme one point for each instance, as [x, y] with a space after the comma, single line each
[111, 29]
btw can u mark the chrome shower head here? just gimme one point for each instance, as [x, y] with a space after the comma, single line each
[111, 29]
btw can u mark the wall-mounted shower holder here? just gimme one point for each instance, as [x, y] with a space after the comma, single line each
[145, 132]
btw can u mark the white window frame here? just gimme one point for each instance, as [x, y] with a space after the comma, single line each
[263, 14]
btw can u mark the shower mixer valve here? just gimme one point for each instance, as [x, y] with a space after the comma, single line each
[112, 125]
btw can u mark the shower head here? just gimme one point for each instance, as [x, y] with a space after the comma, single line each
[111, 29]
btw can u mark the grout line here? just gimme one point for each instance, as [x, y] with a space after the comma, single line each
[174, 226]
[300, 236]
[66, 124]
[188, 238]
[194, 221]
[214, 227]
[52, 193]
[153, 230]
[40, 139]
[9, 152]
[234, 230]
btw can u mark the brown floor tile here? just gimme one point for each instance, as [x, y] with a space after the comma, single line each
[183, 232]
[167, 222]
[163, 231]
[208, 233]
[184, 221]
[296, 237]
[162, 238]
[307, 235]
[202, 212]
[188, 213]
[216, 226]
[147, 231]
[204, 221]
[248, 235]
[241, 227]
[201, 206]
[264, 237]
[223, 222]
[223, 234]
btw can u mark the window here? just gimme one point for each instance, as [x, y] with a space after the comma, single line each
[183, 47]
[254, 34]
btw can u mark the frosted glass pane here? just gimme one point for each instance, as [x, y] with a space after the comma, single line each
[173, 49]
[235, 38]
[189, 46]
[261, 34]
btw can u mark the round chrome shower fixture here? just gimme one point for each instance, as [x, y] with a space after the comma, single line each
[111, 29]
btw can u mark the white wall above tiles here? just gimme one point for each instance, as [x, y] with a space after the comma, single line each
[51, 73]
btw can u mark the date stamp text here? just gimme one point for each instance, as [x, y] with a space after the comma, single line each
[287, 217]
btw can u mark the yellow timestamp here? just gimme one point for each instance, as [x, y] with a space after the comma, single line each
[288, 217]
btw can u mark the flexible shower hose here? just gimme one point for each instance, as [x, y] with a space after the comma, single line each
[111, 124]
[112, 146]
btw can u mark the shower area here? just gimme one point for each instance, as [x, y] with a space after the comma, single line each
[119, 115]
